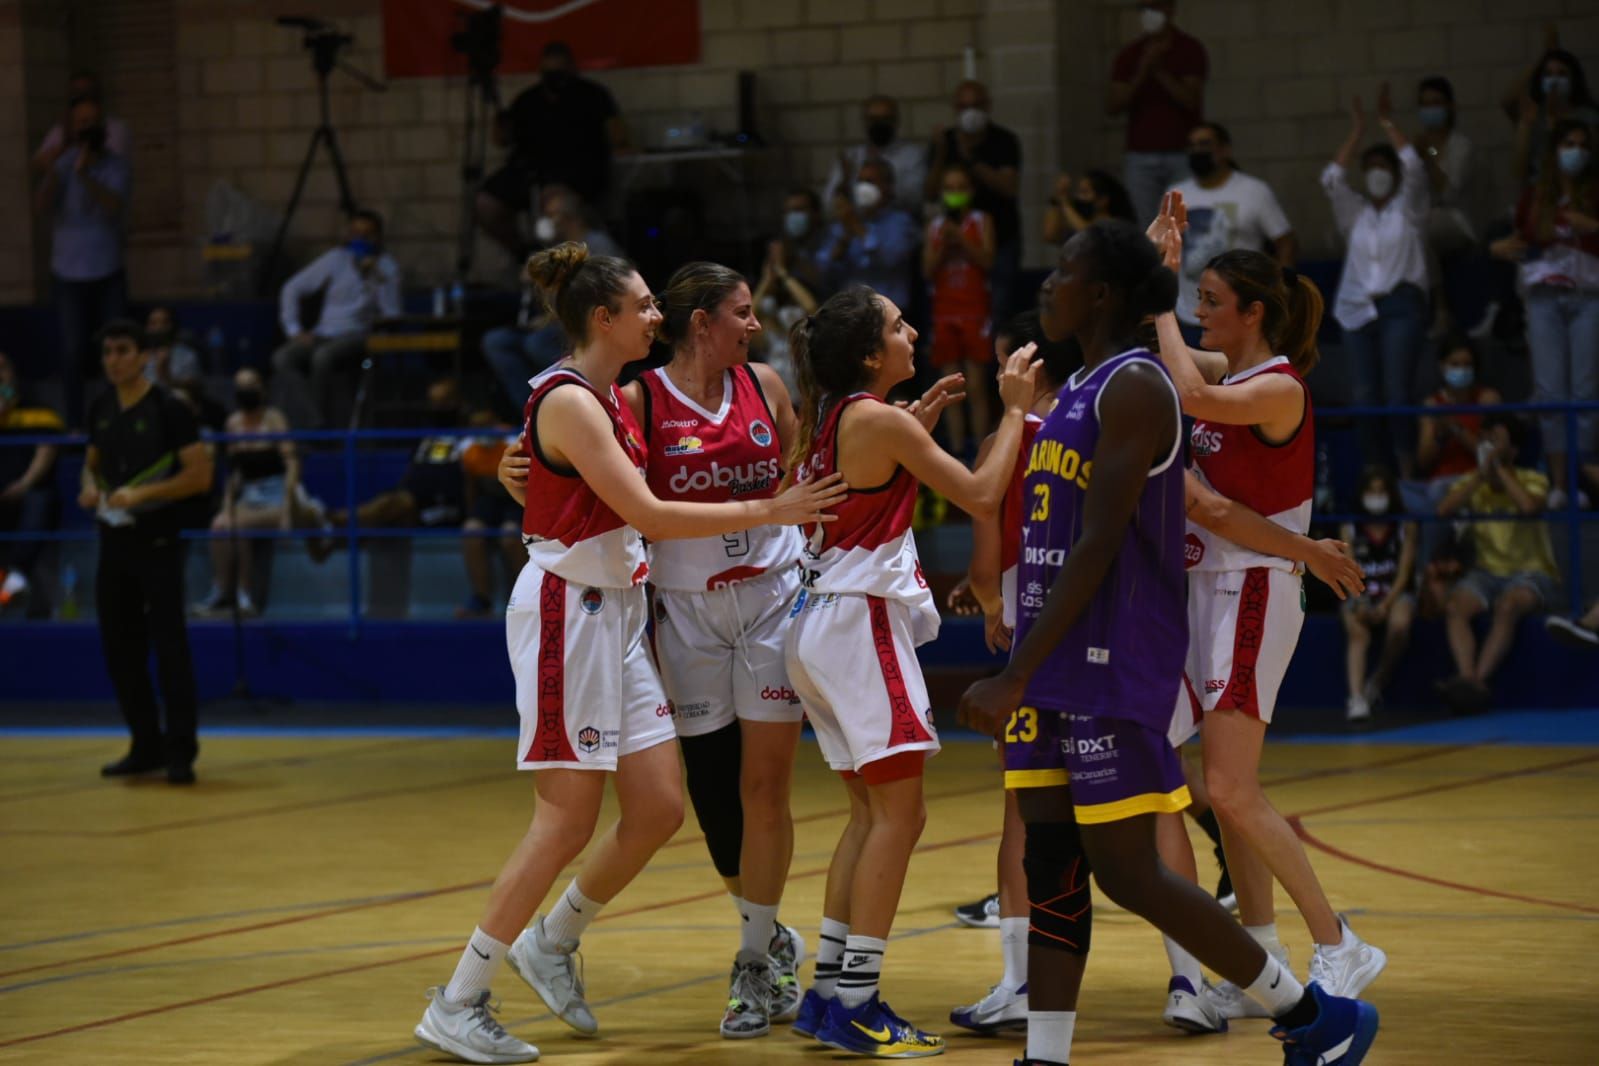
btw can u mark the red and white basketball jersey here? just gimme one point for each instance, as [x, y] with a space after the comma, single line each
[568, 530]
[960, 286]
[1010, 524]
[703, 456]
[869, 550]
[1278, 480]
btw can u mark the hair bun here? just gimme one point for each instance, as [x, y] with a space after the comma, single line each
[553, 268]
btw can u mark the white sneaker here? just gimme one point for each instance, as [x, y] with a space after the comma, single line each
[749, 999]
[469, 1032]
[787, 952]
[1348, 968]
[1358, 709]
[554, 976]
[1233, 1002]
[1190, 1011]
[1002, 1008]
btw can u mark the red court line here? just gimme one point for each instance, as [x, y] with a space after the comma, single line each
[1380, 764]
[218, 997]
[1320, 845]
[1470, 782]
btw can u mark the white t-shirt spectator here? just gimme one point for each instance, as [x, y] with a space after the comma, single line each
[1385, 247]
[1241, 212]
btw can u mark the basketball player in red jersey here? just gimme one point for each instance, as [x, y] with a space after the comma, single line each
[587, 691]
[851, 644]
[716, 426]
[1252, 441]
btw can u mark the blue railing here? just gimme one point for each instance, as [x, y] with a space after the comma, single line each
[350, 444]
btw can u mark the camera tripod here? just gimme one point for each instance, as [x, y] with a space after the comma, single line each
[480, 43]
[324, 44]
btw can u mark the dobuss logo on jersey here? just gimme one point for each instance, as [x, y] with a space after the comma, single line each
[1203, 440]
[760, 433]
[751, 477]
[684, 446]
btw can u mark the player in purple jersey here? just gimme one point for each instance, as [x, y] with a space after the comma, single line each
[1113, 556]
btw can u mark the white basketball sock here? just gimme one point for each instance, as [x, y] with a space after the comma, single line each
[1276, 989]
[760, 922]
[863, 964]
[1183, 964]
[568, 918]
[477, 967]
[1013, 947]
[1049, 1034]
[829, 957]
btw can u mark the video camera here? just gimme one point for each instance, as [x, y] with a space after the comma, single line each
[479, 41]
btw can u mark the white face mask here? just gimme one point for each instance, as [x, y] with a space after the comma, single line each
[867, 195]
[544, 229]
[973, 120]
[1152, 20]
[1379, 182]
[1375, 502]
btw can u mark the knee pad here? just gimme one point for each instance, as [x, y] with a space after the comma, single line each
[712, 761]
[1060, 908]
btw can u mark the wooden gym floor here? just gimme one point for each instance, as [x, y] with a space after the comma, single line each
[293, 907]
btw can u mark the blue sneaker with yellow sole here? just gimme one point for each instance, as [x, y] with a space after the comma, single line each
[875, 1031]
[812, 1012]
[1340, 1036]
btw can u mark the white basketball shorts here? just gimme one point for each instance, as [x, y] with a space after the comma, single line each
[586, 687]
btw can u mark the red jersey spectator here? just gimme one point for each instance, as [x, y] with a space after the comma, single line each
[956, 260]
[1159, 81]
[1447, 447]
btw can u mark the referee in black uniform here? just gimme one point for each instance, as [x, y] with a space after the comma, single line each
[145, 460]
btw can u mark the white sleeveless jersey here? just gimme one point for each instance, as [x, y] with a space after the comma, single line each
[703, 456]
[870, 550]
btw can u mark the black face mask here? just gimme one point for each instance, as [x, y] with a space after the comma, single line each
[1203, 164]
[1086, 208]
[93, 137]
[556, 80]
[880, 132]
[248, 399]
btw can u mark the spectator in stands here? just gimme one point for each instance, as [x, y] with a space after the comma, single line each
[1446, 152]
[560, 131]
[957, 255]
[488, 507]
[872, 241]
[1158, 81]
[1576, 632]
[1557, 243]
[1382, 295]
[1513, 571]
[1077, 203]
[360, 284]
[880, 118]
[790, 285]
[994, 156]
[176, 365]
[83, 85]
[516, 353]
[1386, 552]
[84, 193]
[263, 492]
[1555, 90]
[1227, 210]
[145, 460]
[1447, 447]
[28, 499]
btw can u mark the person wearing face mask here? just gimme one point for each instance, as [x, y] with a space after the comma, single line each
[1227, 210]
[957, 256]
[993, 154]
[871, 240]
[1557, 244]
[1386, 552]
[790, 286]
[1158, 82]
[360, 283]
[1077, 203]
[1382, 295]
[263, 491]
[881, 124]
[1553, 90]
[83, 193]
[563, 130]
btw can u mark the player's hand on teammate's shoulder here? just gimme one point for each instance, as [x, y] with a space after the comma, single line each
[805, 502]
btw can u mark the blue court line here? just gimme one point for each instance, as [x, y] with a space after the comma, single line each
[1553, 728]
[270, 733]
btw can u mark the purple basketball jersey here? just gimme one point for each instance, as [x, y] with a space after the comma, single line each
[1124, 656]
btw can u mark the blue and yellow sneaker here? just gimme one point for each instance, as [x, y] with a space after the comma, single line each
[874, 1030]
[1340, 1036]
[812, 1012]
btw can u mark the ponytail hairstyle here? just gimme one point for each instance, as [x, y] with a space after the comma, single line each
[830, 349]
[1130, 264]
[1293, 305]
[693, 287]
[573, 283]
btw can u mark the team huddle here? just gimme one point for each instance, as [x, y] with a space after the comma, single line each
[1142, 598]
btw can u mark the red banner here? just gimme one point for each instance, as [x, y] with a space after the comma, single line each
[602, 34]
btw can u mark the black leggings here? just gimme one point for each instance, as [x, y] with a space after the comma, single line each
[713, 761]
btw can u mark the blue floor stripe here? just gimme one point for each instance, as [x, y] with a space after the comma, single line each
[1574, 728]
